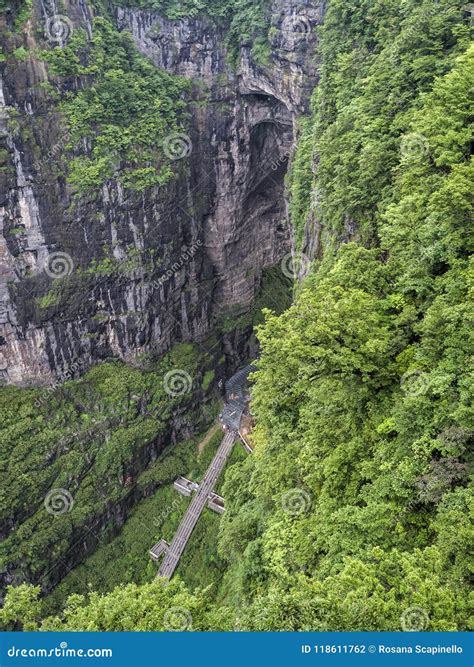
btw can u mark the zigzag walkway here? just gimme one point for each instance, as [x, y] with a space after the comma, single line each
[230, 418]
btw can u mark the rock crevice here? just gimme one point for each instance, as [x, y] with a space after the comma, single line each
[227, 200]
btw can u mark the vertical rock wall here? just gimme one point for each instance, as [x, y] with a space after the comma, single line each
[215, 228]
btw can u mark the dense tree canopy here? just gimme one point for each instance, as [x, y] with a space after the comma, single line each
[363, 401]
[353, 513]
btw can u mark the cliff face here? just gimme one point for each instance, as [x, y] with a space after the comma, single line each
[210, 232]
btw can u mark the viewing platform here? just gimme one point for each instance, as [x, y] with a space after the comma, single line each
[185, 486]
[159, 549]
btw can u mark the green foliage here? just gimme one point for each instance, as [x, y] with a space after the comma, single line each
[363, 398]
[151, 607]
[274, 293]
[369, 594]
[22, 10]
[22, 609]
[208, 379]
[354, 507]
[122, 568]
[20, 53]
[49, 300]
[125, 558]
[378, 57]
[120, 119]
[88, 437]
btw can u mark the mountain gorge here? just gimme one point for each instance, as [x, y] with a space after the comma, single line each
[215, 185]
[185, 186]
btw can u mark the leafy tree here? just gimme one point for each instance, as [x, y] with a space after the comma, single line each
[363, 397]
[353, 511]
[160, 605]
[118, 122]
